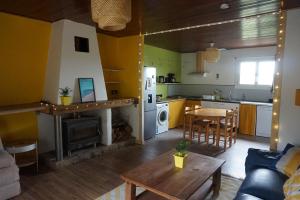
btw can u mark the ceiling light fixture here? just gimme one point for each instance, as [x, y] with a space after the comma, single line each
[212, 54]
[224, 6]
[111, 15]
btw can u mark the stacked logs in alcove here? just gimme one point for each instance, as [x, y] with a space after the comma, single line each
[121, 131]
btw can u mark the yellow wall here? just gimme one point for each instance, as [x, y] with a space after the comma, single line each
[120, 53]
[24, 46]
[128, 60]
[108, 47]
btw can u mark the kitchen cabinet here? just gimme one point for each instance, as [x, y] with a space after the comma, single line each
[264, 121]
[247, 119]
[176, 112]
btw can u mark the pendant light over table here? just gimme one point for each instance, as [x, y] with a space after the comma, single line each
[111, 15]
[212, 54]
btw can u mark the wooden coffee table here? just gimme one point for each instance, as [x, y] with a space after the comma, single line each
[162, 180]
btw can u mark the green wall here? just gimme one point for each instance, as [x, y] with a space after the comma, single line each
[165, 62]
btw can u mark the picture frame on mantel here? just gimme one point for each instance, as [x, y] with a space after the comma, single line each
[86, 90]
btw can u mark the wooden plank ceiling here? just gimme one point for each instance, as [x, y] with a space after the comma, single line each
[157, 15]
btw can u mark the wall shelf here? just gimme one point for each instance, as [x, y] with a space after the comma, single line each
[21, 108]
[82, 107]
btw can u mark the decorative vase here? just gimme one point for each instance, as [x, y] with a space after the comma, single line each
[66, 100]
[179, 161]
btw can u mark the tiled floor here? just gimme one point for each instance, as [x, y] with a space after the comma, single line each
[236, 155]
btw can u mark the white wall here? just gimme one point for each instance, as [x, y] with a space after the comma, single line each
[289, 113]
[46, 133]
[226, 67]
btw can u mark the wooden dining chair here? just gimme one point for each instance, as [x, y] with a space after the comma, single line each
[234, 125]
[199, 125]
[186, 120]
[226, 129]
[196, 107]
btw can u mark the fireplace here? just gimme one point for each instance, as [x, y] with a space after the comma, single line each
[80, 133]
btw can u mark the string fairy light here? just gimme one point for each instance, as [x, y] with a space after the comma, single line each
[212, 24]
[278, 77]
[140, 64]
[79, 107]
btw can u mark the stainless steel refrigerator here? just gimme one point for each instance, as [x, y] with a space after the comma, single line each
[149, 85]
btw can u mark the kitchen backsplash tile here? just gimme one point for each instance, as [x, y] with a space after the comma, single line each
[236, 93]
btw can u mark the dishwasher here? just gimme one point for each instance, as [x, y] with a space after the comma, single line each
[263, 120]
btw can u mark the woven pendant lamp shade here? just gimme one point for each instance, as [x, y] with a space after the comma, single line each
[111, 15]
[212, 54]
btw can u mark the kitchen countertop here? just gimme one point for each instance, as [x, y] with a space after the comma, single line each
[167, 100]
[257, 103]
[176, 98]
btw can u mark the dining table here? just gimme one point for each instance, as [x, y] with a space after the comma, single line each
[213, 114]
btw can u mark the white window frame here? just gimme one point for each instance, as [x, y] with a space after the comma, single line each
[255, 86]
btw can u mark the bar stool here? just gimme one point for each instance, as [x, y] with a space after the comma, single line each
[21, 147]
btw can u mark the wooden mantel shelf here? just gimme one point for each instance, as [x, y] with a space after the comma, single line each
[21, 108]
[82, 107]
[53, 109]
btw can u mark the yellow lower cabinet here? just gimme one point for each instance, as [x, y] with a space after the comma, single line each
[176, 111]
[247, 119]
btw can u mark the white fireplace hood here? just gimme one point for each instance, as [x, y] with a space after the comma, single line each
[65, 65]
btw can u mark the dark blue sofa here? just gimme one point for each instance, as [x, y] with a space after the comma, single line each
[262, 180]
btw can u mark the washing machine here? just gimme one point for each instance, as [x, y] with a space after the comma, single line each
[162, 117]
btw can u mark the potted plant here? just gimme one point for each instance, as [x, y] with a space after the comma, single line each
[65, 97]
[181, 154]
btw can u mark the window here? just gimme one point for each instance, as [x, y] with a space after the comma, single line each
[256, 72]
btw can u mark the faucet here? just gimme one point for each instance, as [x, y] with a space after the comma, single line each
[244, 97]
[230, 95]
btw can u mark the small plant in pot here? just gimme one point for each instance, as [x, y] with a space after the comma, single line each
[65, 97]
[181, 153]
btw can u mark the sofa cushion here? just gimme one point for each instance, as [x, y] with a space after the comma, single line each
[258, 158]
[6, 160]
[291, 187]
[242, 196]
[264, 183]
[289, 162]
[286, 148]
[9, 175]
[10, 190]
